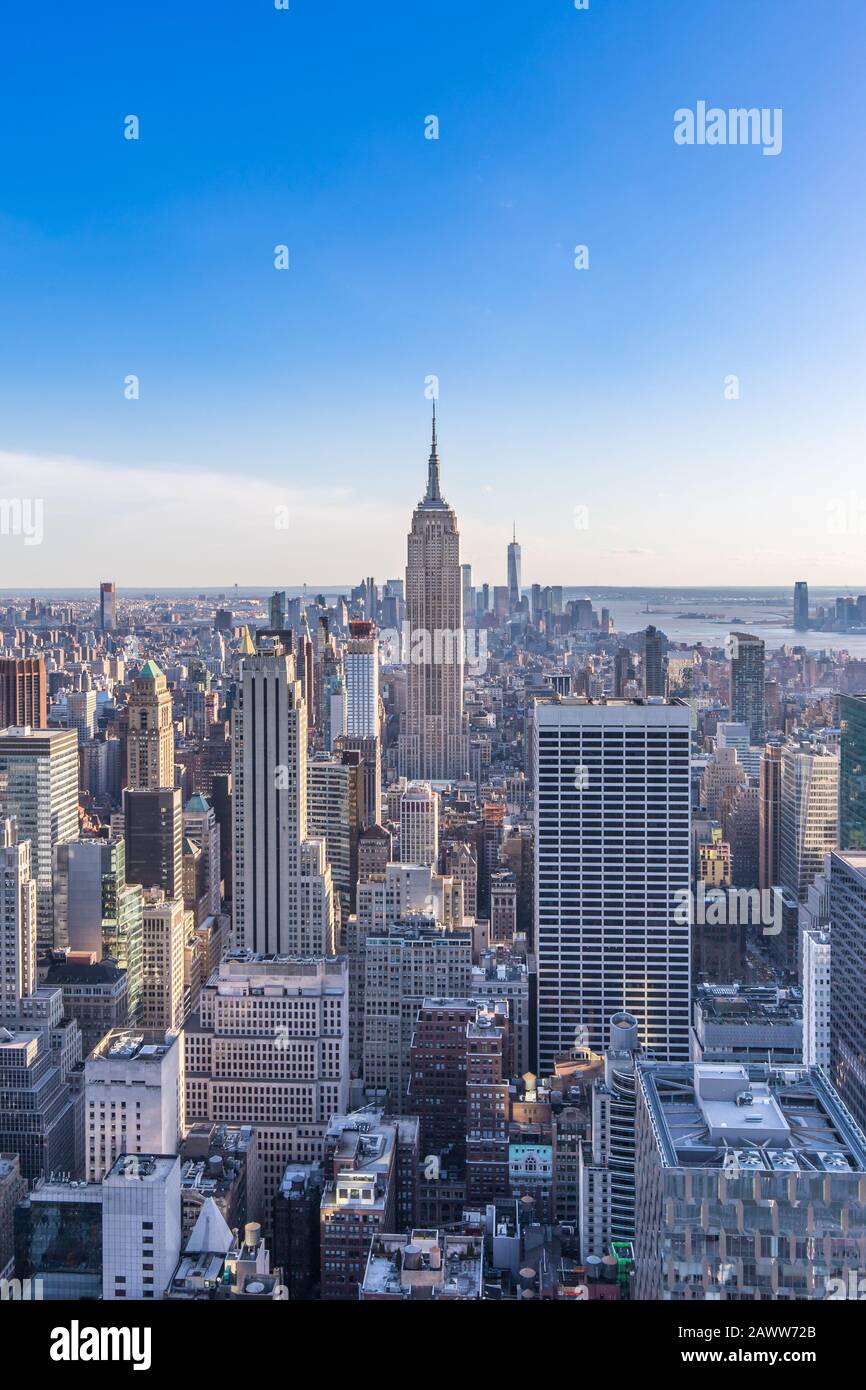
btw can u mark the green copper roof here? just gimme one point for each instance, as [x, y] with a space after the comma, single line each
[197, 803]
[149, 671]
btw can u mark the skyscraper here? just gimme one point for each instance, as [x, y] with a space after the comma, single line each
[513, 571]
[17, 922]
[23, 691]
[150, 736]
[769, 815]
[39, 787]
[852, 772]
[809, 815]
[362, 681]
[153, 830]
[747, 683]
[653, 664]
[612, 865]
[801, 606]
[419, 825]
[433, 746]
[283, 897]
[847, 911]
[107, 606]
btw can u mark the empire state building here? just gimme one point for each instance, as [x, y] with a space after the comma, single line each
[434, 746]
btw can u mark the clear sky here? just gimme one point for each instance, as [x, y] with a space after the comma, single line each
[304, 389]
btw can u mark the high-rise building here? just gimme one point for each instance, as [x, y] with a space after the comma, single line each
[801, 606]
[361, 659]
[815, 977]
[96, 911]
[39, 788]
[133, 1097]
[164, 929]
[613, 848]
[278, 611]
[13, 1189]
[809, 815]
[81, 714]
[606, 1160]
[769, 815]
[370, 752]
[852, 772]
[17, 923]
[107, 606]
[23, 692]
[419, 825]
[284, 1069]
[434, 746]
[334, 812]
[729, 1157]
[37, 1113]
[150, 734]
[140, 1225]
[153, 830]
[653, 663]
[513, 571]
[847, 911]
[200, 826]
[747, 683]
[403, 966]
[283, 896]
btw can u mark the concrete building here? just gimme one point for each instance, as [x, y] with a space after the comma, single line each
[403, 966]
[150, 732]
[419, 825]
[153, 830]
[750, 1183]
[809, 816]
[133, 1098]
[756, 1023]
[18, 916]
[434, 745]
[37, 1114]
[816, 977]
[359, 1200]
[39, 788]
[97, 913]
[613, 849]
[269, 1048]
[424, 1265]
[283, 894]
[140, 1225]
[165, 926]
[13, 1189]
[23, 692]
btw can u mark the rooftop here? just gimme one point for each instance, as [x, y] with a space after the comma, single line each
[776, 1118]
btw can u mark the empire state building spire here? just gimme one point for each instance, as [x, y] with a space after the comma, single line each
[433, 493]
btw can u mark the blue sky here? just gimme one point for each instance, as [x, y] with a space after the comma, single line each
[304, 388]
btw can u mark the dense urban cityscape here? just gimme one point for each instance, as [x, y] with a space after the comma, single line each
[432, 940]
[432, 675]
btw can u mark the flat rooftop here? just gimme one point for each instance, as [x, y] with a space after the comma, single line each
[786, 1118]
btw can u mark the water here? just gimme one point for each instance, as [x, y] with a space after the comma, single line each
[707, 615]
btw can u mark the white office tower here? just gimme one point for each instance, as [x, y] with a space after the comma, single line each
[606, 1159]
[165, 926]
[269, 1048]
[81, 712]
[361, 660]
[141, 1230]
[17, 923]
[809, 815]
[433, 746]
[133, 1097]
[39, 788]
[815, 972]
[419, 825]
[200, 826]
[730, 735]
[283, 898]
[612, 865]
